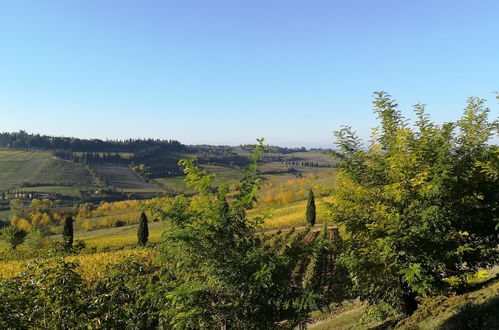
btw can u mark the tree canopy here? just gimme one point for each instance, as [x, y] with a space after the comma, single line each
[419, 204]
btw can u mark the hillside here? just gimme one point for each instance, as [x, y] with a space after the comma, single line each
[62, 172]
[142, 173]
[475, 309]
[18, 167]
[124, 178]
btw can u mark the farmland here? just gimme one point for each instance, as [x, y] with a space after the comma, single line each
[18, 167]
[64, 173]
[123, 178]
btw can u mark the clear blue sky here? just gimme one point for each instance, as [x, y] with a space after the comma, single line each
[227, 72]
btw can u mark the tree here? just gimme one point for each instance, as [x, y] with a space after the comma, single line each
[311, 213]
[220, 272]
[419, 210]
[13, 235]
[67, 232]
[17, 207]
[143, 232]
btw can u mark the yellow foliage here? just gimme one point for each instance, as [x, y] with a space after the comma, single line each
[92, 266]
[87, 224]
[20, 222]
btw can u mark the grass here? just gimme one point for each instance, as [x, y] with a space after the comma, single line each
[290, 215]
[346, 320]
[476, 309]
[175, 184]
[18, 167]
[63, 190]
[5, 215]
[119, 237]
[223, 174]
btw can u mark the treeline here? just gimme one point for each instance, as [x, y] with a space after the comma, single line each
[24, 140]
[88, 158]
[307, 164]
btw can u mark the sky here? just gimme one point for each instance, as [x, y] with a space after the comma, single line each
[228, 72]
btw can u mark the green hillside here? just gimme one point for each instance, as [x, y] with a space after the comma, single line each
[18, 166]
[62, 172]
[124, 178]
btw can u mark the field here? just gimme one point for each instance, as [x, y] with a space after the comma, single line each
[64, 190]
[119, 237]
[124, 178]
[40, 171]
[291, 215]
[93, 266]
[63, 173]
[18, 167]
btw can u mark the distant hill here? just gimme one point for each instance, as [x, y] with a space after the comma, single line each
[81, 167]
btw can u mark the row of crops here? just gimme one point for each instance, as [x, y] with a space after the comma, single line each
[61, 172]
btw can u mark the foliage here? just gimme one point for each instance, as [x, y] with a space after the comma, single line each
[219, 272]
[52, 294]
[143, 232]
[16, 207]
[416, 204]
[296, 189]
[67, 232]
[36, 239]
[311, 213]
[13, 235]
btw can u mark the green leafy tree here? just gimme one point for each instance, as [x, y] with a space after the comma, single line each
[17, 207]
[419, 209]
[220, 272]
[13, 235]
[311, 212]
[36, 239]
[143, 232]
[67, 232]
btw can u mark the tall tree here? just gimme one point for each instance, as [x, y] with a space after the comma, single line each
[418, 204]
[67, 232]
[215, 256]
[143, 232]
[311, 212]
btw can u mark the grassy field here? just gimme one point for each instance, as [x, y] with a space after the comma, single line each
[287, 216]
[63, 190]
[18, 167]
[125, 236]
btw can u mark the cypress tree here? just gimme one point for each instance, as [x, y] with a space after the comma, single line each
[143, 232]
[67, 232]
[311, 208]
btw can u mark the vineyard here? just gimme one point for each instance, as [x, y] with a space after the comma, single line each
[124, 178]
[61, 172]
[92, 266]
[18, 167]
